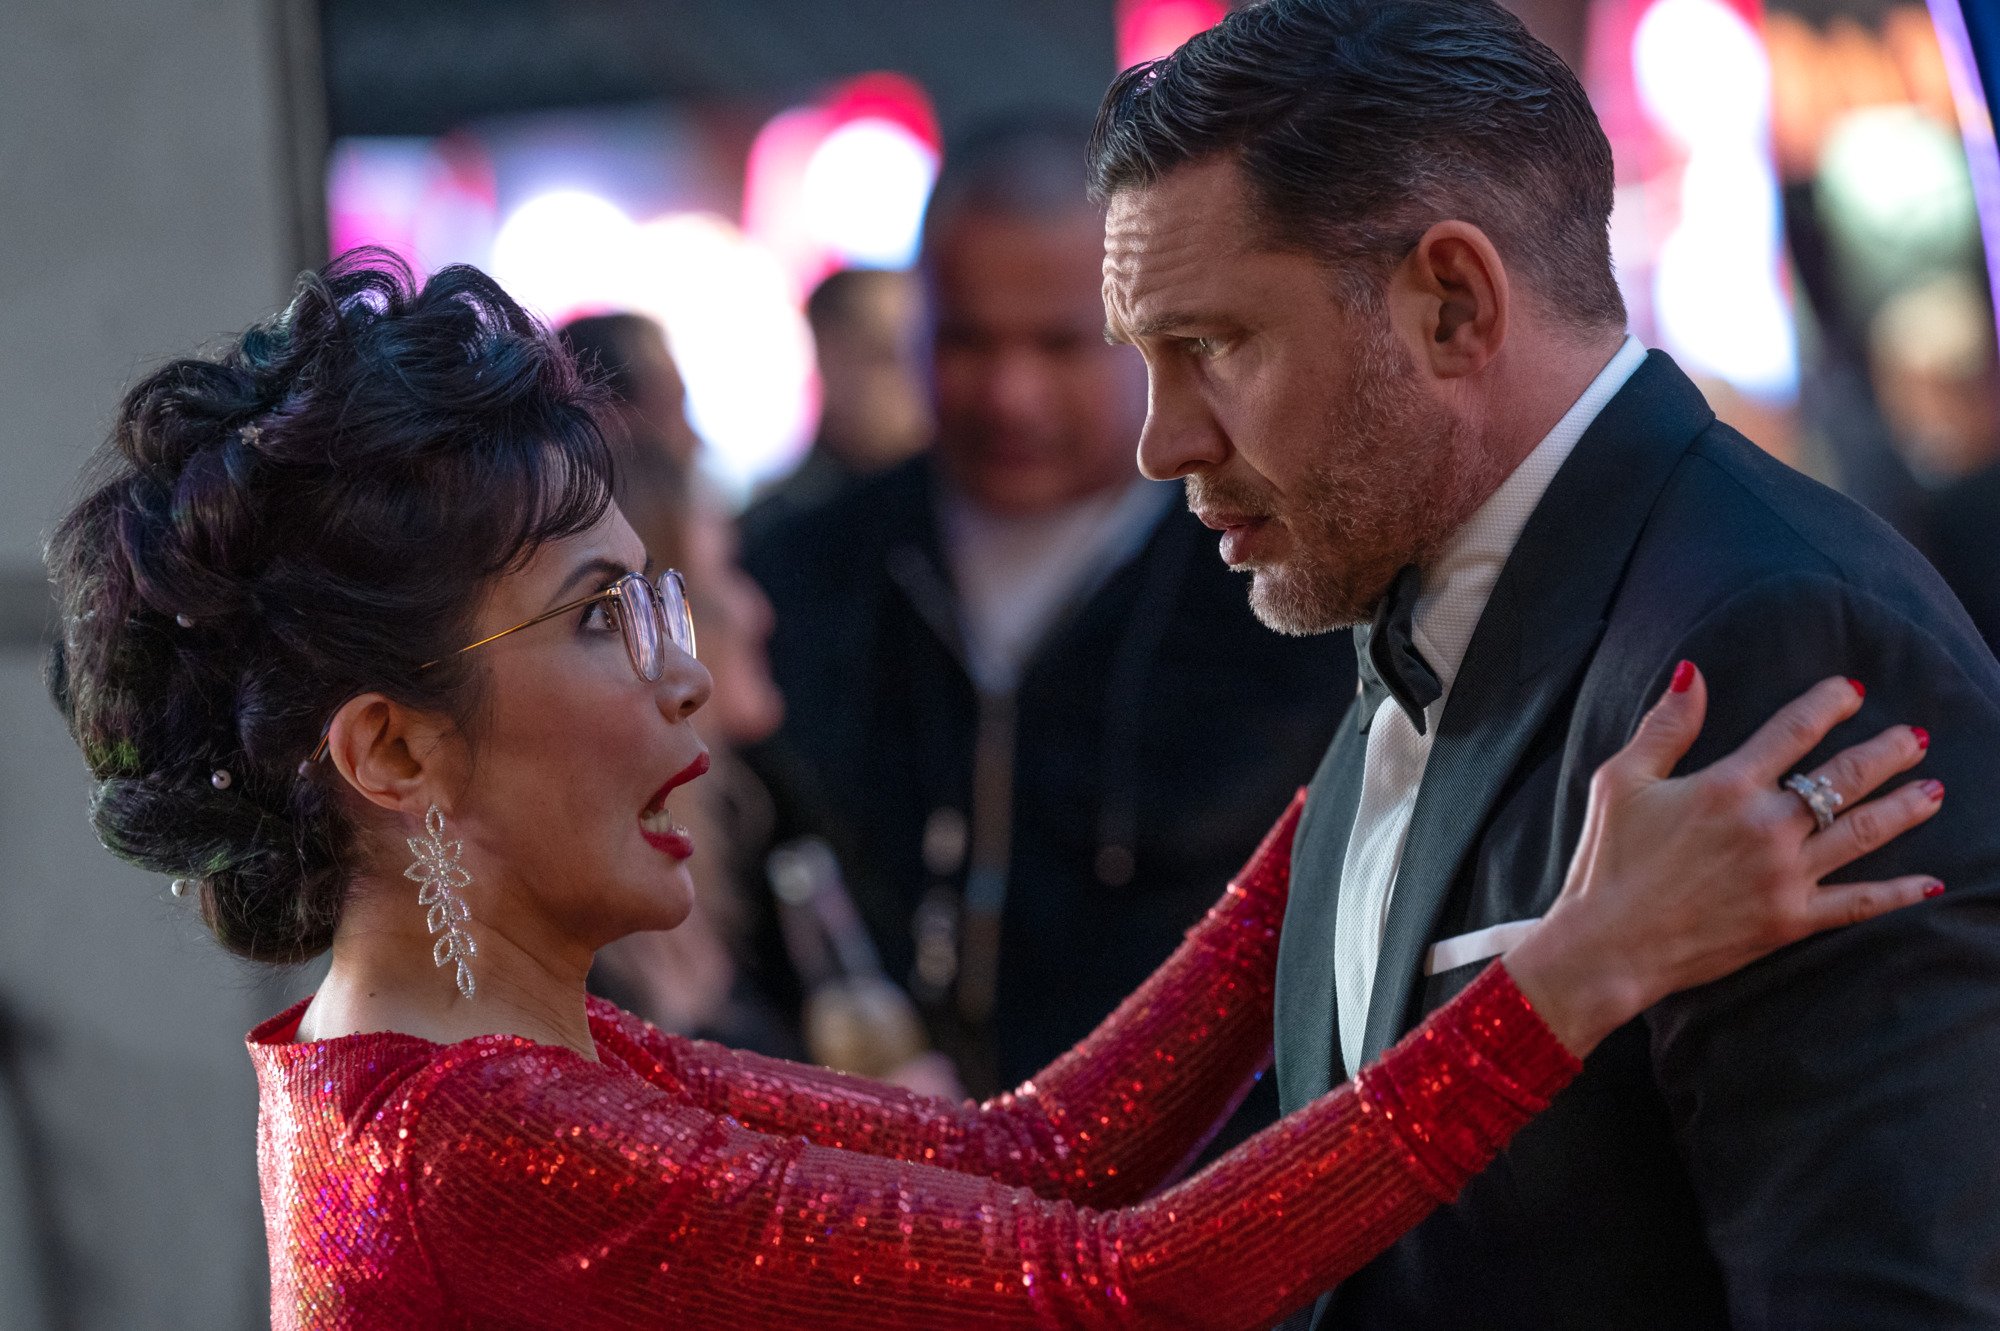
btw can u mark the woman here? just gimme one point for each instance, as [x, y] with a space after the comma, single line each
[354, 593]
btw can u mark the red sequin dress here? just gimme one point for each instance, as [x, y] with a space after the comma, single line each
[502, 1183]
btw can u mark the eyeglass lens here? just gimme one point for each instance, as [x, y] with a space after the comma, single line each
[656, 613]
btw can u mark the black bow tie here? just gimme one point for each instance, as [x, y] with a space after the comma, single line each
[1386, 651]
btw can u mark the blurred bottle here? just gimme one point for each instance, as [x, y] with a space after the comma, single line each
[855, 1018]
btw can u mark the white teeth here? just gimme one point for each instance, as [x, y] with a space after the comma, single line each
[659, 821]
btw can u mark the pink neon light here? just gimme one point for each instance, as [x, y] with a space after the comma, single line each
[1151, 29]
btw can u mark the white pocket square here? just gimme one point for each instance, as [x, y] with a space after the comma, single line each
[1480, 945]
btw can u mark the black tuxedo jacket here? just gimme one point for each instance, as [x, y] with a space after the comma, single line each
[1813, 1142]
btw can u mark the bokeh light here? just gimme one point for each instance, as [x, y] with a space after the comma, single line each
[565, 253]
[864, 189]
[1152, 29]
[1704, 81]
[843, 183]
[736, 331]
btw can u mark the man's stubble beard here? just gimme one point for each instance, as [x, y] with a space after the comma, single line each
[1397, 475]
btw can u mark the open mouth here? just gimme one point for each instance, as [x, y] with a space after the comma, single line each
[656, 821]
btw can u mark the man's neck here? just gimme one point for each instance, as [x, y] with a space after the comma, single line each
[1541, 381]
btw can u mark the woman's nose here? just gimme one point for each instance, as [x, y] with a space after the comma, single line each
[684, 687]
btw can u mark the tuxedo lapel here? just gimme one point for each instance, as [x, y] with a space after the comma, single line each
[1307, 1053]
[1539, 626]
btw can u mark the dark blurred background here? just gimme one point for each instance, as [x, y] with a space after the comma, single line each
[1798, 224]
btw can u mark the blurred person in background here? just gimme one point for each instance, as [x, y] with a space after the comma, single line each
[867, 327]
[1962, 537]
[1936, 374]
[1939, 379]
[701, 978]
[629, 351]
[1045, 724]
[742, 969]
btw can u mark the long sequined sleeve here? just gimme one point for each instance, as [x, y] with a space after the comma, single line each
[1106, 1123]
[548, 1191]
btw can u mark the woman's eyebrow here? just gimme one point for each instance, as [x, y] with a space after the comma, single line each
[608, 570]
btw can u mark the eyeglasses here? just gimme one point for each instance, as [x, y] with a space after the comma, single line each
[650, 615]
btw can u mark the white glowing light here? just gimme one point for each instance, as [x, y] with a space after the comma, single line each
[1899, 180]
[1732, 189]
[566, 253]
[1704, 79]
[1721, 312]
[1702, 72]
[742, 346]
[864, 192]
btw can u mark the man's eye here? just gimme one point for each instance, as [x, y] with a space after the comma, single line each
[1205, 347]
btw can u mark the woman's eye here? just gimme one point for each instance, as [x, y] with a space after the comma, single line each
[600, 617]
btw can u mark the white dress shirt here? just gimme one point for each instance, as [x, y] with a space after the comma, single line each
[1453, 597]
[1015, 575]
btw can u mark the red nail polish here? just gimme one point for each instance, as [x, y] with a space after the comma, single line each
[1683, 678]
[1936, 889]
[1860, 689]
[1923, 736]
[1933, 789]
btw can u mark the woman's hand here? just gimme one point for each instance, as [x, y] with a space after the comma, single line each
[1679, 881]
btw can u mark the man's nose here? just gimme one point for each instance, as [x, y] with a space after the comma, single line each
[1015, 386]
[1181, 436]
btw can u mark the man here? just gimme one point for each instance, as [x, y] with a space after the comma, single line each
[1362, 246]
[1049, 728]
[867, 325]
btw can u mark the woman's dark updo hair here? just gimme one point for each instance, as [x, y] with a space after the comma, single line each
[312, 514]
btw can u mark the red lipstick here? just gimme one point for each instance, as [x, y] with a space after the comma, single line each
[680, 778]
[671, 839]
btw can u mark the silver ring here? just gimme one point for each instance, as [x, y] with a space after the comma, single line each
[1818, 795]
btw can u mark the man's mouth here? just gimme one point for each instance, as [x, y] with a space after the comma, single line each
[657, 824]
[1239, 532]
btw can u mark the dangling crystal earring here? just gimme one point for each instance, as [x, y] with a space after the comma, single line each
[442, 876]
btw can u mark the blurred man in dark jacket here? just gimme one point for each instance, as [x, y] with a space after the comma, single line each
[1962, 537]
[1044, 717]
[868, 339]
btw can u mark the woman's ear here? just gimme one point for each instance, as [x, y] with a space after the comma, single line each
[389, 753]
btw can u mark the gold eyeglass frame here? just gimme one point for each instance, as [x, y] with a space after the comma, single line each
[615, 592]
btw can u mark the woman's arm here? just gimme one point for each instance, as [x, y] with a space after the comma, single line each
[539, 1182]
[1110, 1121]
[1106, 1123]
[598, 1199]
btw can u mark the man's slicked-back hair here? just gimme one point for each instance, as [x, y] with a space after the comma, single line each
[1358, 124]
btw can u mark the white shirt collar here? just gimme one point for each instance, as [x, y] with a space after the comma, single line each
[1456, 587]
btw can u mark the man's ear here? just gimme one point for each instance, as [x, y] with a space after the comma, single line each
[1452, 293]
[389, 753]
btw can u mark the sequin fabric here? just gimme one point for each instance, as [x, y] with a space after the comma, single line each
[502, 1183]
